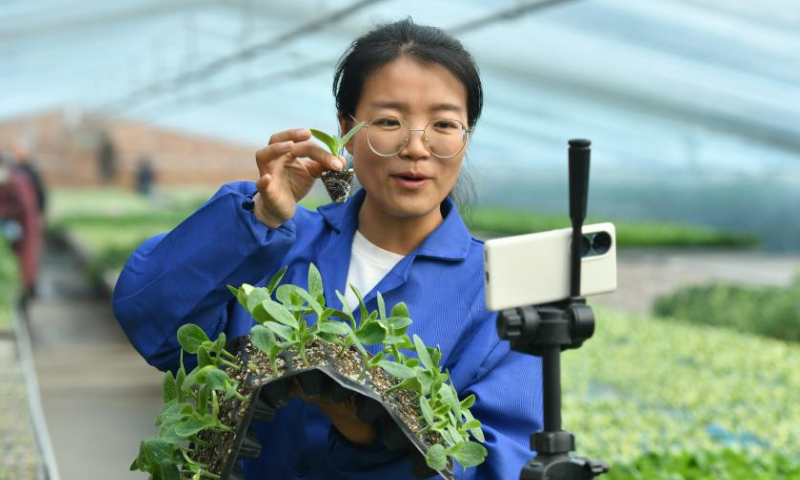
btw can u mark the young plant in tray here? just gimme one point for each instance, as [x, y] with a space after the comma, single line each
[290, 318]
[443, 415]
[191, 406]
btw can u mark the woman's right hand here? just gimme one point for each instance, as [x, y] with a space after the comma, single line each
[285, 178]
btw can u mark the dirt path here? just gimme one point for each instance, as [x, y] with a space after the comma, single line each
[99, 396]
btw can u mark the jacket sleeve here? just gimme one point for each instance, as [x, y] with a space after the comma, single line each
[182, 276]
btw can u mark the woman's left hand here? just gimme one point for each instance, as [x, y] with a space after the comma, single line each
[342, 416]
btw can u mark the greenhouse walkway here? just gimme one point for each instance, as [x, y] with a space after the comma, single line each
[98, 395]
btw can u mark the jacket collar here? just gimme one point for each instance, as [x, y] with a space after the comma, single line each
[449, 241]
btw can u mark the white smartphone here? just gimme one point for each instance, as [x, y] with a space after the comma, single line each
[534, 269]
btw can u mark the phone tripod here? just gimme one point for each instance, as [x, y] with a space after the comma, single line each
[546, 330]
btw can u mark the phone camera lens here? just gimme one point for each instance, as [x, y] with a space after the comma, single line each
[586, 246]
[601, 243]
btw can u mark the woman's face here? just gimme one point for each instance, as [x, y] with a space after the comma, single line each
[413, 183]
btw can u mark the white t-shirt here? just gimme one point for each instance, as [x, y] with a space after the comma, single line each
[369, 263]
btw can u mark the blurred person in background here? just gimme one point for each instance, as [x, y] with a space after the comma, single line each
[20, 221]
[107, 158]
[145, 176]
[27, 165]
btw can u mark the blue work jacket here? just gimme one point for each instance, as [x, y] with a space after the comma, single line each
[181, 277]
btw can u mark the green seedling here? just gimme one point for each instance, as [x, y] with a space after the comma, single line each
[290, 317]
[336, 144]
[191, 406]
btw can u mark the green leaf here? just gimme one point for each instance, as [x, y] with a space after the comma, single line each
[400, 310]
[397, 369]
[399, 341]
[425, 380]
[170, 408]
[381, 306]
[468, 402]
[169, 470]
[169, 389]
[371, 333]
[398, 323]
[219, 343]
[280, 330]
[218, 380]
[422, 353]
[364, 313]
[334, 327]
[191, 427]
[157, 450]
[276, 279]
[476, 432]
[442, 410]
[315, 287]
[411, 384]
[471, 424]
[449, 396]
[436, 458]
[427, 411]
[262, 338]
[310, 299]
[329, 338]
[190, 337]
[446, 435]
[412, 362]
[141, 460]
[256, 297]
[243, 294]
[203, 396]
[203, 357]
[436, 355]
[331, 142]
[470, 454]
[343, 141]
[280, 314]
[234, 291]
[356, 342]
[260, 315]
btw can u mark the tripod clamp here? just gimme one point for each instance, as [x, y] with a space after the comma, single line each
[546, 330]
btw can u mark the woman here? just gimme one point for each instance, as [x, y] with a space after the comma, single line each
[420, 94]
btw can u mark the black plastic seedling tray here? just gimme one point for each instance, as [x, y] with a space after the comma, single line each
[267, 397]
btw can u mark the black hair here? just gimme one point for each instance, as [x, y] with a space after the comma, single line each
[387, 42]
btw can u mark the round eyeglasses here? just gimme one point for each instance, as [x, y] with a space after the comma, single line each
[444, 138]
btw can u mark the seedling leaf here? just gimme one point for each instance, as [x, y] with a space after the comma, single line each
[280, 314]
[334, 327]
[190, 337]
[276, 279]
[329, 141]
[371, 333]
[343, 141]
[427, 412]
[315, 288]
[436, 458]
[397, 369]
[470, 454]
[169, 389]
[262, 338]
[422, 352]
